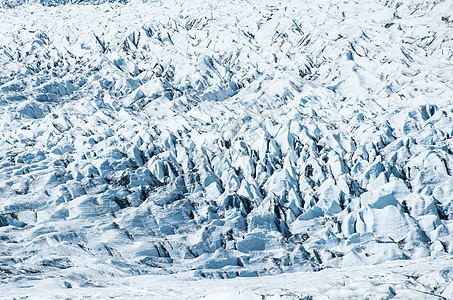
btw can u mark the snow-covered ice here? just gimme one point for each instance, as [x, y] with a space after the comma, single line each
[155, 143]
[418, 279]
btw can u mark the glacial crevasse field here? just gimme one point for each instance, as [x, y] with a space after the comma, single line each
[170, 149]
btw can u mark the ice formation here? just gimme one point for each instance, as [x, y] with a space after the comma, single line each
[224, 139]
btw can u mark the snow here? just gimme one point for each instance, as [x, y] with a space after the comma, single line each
[145, 145]
[418, 279]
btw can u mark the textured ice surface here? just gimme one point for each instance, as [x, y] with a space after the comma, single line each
[223, 138]
[426, 278]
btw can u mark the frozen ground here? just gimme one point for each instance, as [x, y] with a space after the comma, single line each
[220, 139]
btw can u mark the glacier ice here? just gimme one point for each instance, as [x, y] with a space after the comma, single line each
[223, 139]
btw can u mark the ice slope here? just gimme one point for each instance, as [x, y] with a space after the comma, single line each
[223, 139]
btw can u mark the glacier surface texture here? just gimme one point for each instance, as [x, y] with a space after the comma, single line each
[171, 141]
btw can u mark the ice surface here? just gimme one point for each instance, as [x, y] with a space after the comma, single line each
[428, 278]
[224, 139]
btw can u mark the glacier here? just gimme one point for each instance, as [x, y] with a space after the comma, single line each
[189, 145]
